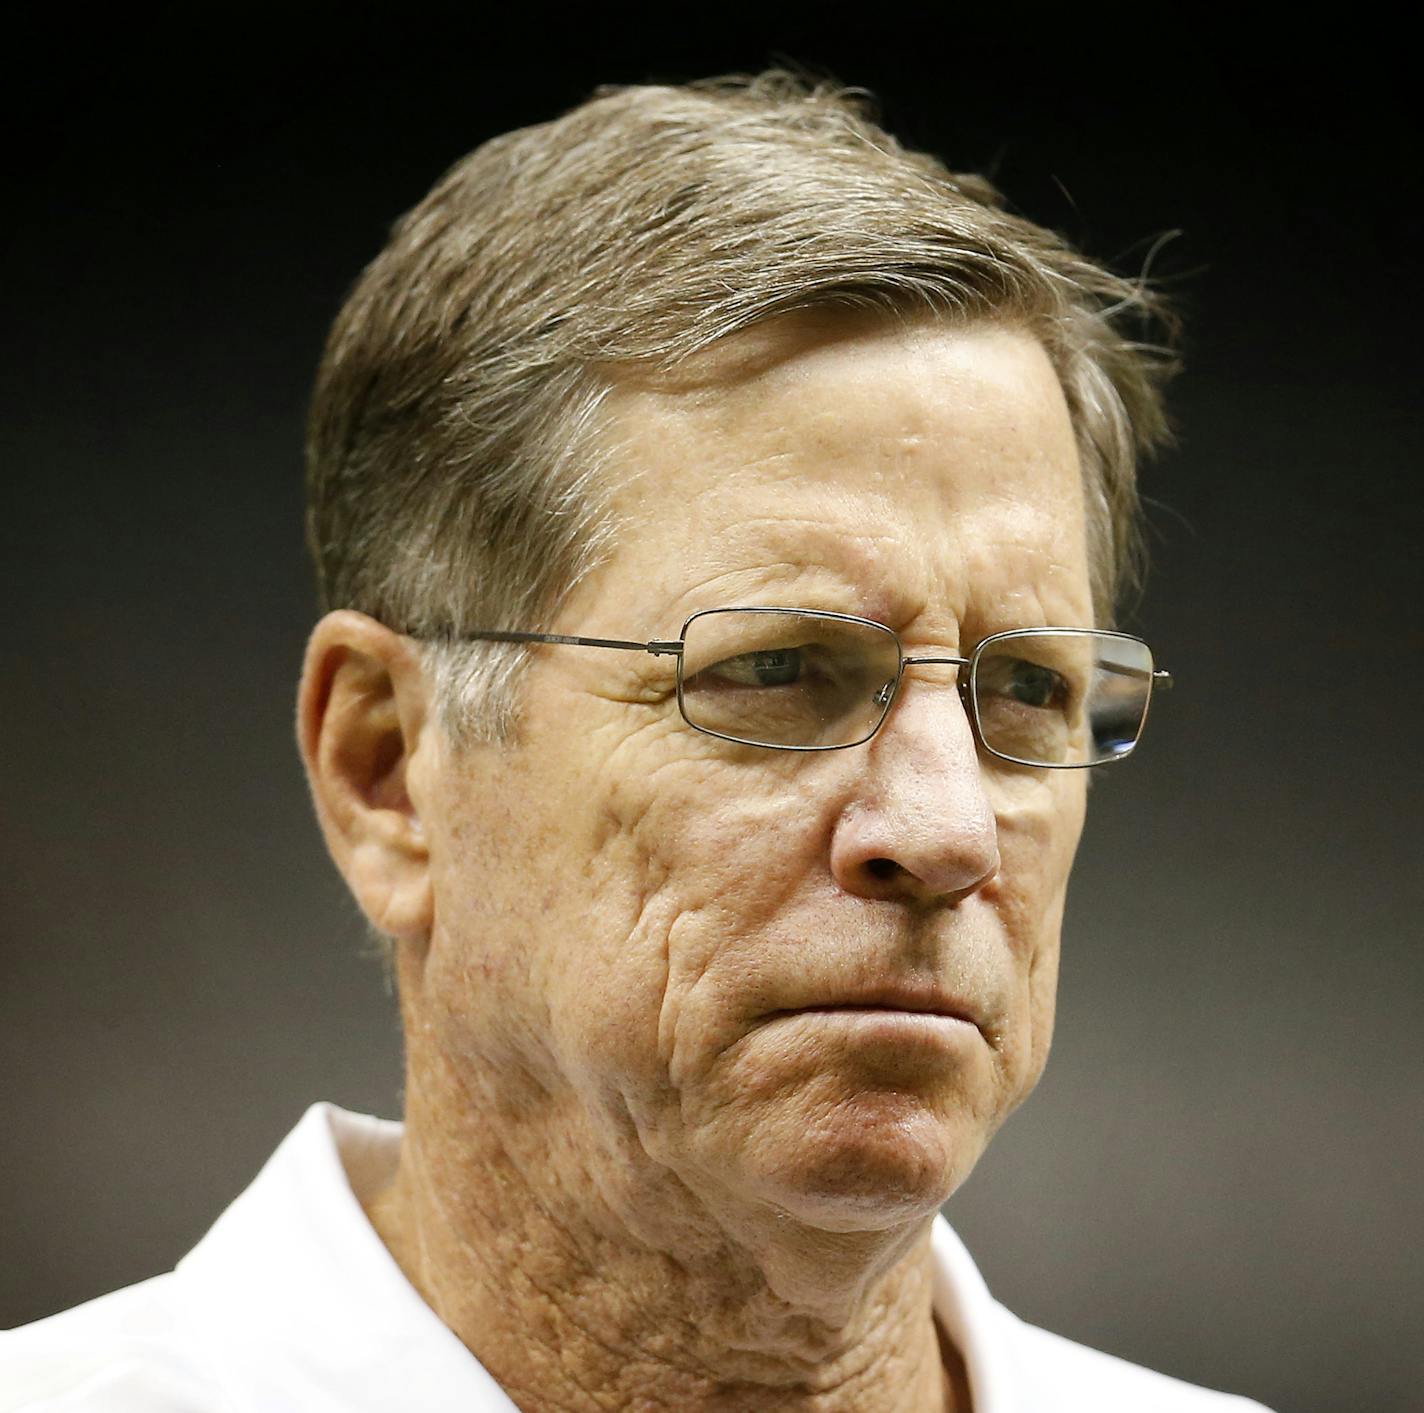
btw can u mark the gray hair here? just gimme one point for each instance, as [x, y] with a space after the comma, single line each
[455, 475]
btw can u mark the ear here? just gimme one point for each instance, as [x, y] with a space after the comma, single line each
[365, 734]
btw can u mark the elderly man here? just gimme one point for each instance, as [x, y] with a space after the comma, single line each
[719, 510]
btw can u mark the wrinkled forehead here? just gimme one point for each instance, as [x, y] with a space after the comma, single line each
[904, 457]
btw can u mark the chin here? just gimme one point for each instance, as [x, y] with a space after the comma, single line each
[878, 1161]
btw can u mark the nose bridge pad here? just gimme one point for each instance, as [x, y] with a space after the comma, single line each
[889, 693]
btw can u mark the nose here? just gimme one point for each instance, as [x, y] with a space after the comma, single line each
[919, 826]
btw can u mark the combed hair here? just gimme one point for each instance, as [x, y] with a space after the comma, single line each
[455, 475]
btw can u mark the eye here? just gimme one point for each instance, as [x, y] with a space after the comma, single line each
[1030, 683]
[771, 667]
[1037, 686]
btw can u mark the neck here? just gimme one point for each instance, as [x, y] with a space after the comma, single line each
[581, 1288]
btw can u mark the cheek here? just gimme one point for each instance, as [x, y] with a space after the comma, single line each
[685, 865]
[1038, 838]
[494, 866]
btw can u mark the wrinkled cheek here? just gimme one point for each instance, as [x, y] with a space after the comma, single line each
[608, 978]
[1042, 1005]
[726, 861]
[643, 938]
[1038, 856]
[1028, 1031]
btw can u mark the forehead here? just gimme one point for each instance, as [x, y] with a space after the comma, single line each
[906, 468]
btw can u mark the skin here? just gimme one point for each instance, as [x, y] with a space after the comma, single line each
[678, 1120]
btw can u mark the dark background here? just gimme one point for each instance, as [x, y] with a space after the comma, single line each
[1220, 1175]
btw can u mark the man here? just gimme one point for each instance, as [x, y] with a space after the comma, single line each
[720, 511]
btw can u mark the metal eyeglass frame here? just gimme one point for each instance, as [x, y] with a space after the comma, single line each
[673, 647]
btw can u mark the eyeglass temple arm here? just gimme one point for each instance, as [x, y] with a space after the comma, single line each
[1161, 678]
[658, 647]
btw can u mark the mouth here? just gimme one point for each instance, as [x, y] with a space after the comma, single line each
[918, 1003]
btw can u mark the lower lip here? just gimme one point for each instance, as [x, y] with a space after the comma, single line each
[882, 1022]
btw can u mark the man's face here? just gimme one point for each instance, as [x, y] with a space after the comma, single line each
[815, 982]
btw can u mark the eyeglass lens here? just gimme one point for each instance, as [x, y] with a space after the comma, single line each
[787, 679]
[1061, 699]
[801, 679]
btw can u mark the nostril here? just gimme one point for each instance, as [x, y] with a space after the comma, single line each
[883, 869]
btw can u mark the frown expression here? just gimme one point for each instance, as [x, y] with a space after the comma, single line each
[812, 981]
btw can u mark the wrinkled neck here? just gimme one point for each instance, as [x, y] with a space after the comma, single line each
[579, 1291]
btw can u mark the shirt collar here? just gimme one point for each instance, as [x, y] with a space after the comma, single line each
[300, 1308]
[972, 1319]
[299, 1304]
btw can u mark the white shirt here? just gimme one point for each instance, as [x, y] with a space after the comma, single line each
[292, 1304]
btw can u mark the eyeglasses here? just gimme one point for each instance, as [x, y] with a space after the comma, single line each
[805, 680]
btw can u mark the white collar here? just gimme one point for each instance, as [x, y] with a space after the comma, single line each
[301, 1309]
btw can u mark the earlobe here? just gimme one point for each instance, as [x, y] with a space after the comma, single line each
[362, 726]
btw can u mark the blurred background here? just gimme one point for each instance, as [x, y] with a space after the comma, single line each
[1220, 1175]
